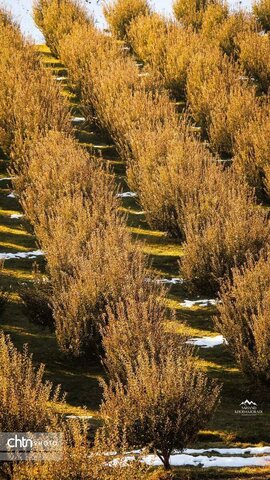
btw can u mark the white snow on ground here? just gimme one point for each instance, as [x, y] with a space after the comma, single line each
[9, 256]
[229, 451]
[16, 215]
[5, 179]
[173, 281]
[100, 146]
[207, 342]
[192, 457]
[78, 119]
[200, 303]
[127, 195]
[81, 417]
[11, 195]
[178, 460]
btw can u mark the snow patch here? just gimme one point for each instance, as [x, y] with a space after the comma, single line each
[207, 342]
[78, 119]
[16, 215]
[127, 195]
[142, 212]
[9, 256]
[81, 417]
[203, 461]
[229, 451]
[173, 281]
[200, 303]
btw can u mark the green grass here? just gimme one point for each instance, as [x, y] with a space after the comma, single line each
[81, 381]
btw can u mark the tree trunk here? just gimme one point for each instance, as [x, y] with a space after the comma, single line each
[166, 460]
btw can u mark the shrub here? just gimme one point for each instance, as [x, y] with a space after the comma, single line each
[181, 46]
[244, 317]
[227, 34]
[223, 225]
[87, 53]
[252, 152]
[214, 16]
[167, 47]
[120, 13]
[77, 49]
[202, 73]
[80, 460]
[46, 108]
[255, 58]
[79, 304]
[220, 98]
[136, 322]
[190, 12]
[170, 165]
[56, 19]
[56, 167]
[24, 394]
[261, 10]
[231, 112]
[163, 403]
[10, 31]
[147, 36]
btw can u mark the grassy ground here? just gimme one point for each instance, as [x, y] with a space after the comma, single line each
[81, 382]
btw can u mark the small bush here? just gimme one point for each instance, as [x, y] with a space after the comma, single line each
[170, 165]
[214, 16]
[147, 36]
[261, 10]
[220, 98]
[85, 462]
[79, 304]
[163, 403]
[223, 225]
[56, 167]
[190, 12]
[136, 322]
[252, 152]
[226, 36]
[120, 13]
[57, 18]
[255, 58]
[181, 46]
[24, 395]
[46, 108]
[244, 317]
[167, 47]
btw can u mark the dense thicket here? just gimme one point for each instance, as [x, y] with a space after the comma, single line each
[97, 273]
